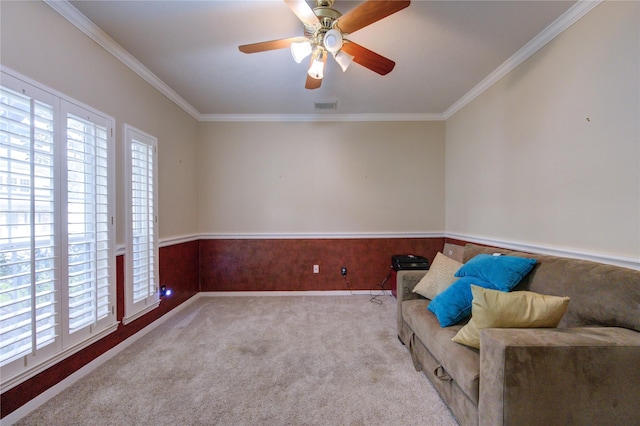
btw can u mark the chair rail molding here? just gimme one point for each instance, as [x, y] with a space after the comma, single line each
[624, 261]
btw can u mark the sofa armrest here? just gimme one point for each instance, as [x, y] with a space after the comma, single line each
[559, 376]
[405, 282]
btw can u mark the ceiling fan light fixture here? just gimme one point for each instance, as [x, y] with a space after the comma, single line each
[333, 40]
[300, 50]
[316, 70]
[325, 29]
[343, 59]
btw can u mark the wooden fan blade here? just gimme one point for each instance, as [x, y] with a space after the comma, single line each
[368, 59]
[368, 13]
[269, 45]
[314, 83]
[303, 11]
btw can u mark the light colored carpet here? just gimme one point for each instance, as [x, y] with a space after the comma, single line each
[290, 360]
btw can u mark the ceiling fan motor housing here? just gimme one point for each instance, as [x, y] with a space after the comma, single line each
[324, 3]
[327, 17]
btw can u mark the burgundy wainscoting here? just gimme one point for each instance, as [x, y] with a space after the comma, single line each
[178, 271]
[457, 242]
[287, 264]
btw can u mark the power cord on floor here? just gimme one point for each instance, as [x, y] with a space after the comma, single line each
[374, 298]
[346, 280]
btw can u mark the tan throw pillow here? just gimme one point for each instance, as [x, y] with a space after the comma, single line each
[439, 276]
[518, 309]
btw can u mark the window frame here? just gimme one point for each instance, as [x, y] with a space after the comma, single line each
[136, 309]
[65, 343]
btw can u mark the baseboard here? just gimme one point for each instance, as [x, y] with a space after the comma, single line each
[36, 402]
[286, 293]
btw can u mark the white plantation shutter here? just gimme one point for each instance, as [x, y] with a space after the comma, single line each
[88, 222]
[28, 304]
[57, 264]
[142, 236]
[142, 220]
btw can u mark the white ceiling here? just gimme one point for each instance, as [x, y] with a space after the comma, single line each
[442, 49]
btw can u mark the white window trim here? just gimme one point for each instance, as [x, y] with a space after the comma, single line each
[133, 310]
[23, 368]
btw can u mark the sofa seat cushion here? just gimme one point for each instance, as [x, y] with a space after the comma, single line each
[460, 362]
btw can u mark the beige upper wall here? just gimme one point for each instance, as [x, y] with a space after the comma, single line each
[321, 177]
[41, 45]
[550, 155]
[257, 178]
[522, 162]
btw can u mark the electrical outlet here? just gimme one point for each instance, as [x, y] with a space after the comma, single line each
[316, 269]
[343, 271]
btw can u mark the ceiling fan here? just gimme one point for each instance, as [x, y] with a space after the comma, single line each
[326, 31]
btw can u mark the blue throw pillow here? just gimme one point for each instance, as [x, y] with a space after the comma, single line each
[454, 304]
[504, 272]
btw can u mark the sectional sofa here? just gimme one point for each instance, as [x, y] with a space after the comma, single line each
[584, 371]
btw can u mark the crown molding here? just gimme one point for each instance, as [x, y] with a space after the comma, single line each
[573, 14]
[74, 16]
[85, 25]
[321, 117]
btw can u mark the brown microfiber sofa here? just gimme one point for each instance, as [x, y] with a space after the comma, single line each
[585, 372]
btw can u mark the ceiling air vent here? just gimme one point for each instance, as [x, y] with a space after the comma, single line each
[326, 105]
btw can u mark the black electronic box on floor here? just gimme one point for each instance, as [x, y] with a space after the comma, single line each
[403, 262]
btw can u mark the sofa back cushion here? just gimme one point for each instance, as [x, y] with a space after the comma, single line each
[601, 295]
